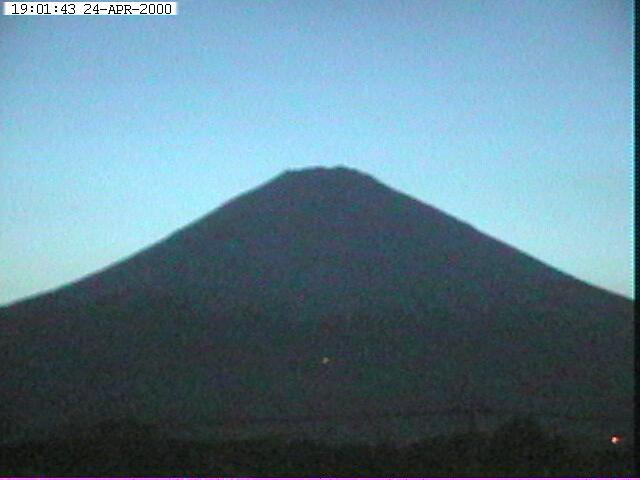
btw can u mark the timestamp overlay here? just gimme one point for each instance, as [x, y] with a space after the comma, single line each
[90, 8]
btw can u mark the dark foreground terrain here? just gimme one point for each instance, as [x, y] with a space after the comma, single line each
[518, 448]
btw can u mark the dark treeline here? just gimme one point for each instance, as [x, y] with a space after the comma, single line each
[518, 448]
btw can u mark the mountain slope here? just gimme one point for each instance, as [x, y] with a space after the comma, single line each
[234, 315]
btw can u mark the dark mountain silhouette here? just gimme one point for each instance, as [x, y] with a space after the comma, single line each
[323, 295]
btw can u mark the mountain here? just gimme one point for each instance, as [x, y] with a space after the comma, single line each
[321, 295]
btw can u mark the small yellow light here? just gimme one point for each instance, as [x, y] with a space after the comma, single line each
[325, 360]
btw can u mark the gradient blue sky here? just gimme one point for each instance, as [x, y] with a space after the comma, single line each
[515, 116]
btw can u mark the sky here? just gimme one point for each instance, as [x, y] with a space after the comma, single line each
[513, 116]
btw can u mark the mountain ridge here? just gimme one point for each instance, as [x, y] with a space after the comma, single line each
[344, 174]
[236, 311]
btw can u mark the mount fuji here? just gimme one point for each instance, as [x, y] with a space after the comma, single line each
[319, 297]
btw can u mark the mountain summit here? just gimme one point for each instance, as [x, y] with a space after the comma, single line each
[320, 296]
